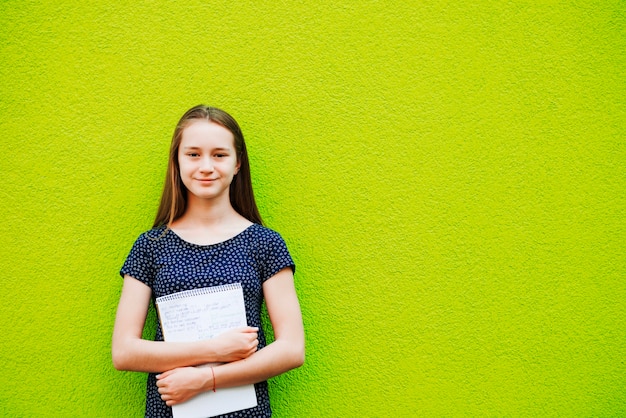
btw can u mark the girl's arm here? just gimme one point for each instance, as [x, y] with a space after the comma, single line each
[285, 353]
[131, 352]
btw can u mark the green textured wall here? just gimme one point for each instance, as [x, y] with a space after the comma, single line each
[450, 178]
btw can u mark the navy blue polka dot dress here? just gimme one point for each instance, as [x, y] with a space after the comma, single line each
[169, 264]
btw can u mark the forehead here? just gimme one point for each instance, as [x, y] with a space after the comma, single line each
[204, 133]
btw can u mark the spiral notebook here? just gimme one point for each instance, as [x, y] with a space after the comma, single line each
[201, 314]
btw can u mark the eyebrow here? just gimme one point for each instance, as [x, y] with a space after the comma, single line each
[212, 149]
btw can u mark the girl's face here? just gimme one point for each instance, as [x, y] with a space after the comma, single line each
[207, 159]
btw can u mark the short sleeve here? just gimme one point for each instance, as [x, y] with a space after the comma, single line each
[139, 263]
[273, 255]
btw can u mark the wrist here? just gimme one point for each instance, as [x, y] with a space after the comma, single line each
[208, 378]
[208, 351]
[213, 376]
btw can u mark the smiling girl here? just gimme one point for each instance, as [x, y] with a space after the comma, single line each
[208, 232]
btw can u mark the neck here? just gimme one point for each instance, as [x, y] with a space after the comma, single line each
[208, 222]
[204, 212]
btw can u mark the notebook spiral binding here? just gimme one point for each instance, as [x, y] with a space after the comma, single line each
[201, 291]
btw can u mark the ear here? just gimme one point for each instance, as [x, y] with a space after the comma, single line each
[237, 166]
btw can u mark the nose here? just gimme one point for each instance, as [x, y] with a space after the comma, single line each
[206, 165]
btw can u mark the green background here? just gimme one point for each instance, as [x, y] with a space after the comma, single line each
[449, 176]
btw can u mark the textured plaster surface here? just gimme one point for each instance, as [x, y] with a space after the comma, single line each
[449, 177]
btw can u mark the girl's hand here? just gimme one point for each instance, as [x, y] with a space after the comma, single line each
[181, 384]
[236, 344]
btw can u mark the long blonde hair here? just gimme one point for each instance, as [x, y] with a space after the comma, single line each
[174, 198]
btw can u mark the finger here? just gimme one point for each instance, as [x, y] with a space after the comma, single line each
[252, 350]
[161, 380]
[248, 329]
[163, 375]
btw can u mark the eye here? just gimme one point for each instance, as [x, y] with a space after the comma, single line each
[221, 155]
[193, 154]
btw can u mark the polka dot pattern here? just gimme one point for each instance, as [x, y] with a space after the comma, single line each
[169, 264]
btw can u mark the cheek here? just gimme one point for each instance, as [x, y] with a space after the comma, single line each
[183, 174]
[184, 166]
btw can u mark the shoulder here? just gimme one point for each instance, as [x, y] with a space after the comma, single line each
[264, 234]
[151, 236]
[267, 241]
[155, 233]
